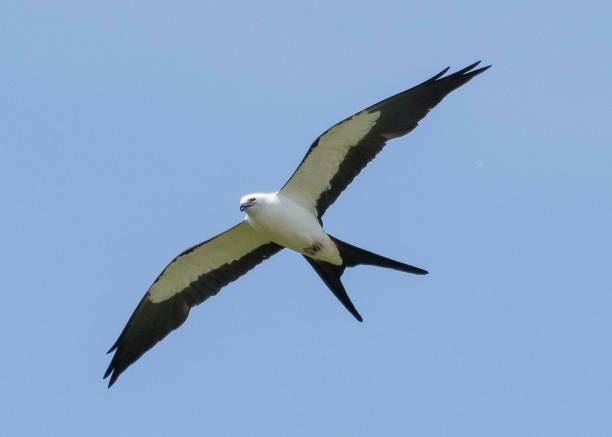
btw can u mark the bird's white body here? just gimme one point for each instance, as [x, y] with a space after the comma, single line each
[280, 219]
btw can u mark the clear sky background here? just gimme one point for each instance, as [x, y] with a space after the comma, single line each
[129, 131]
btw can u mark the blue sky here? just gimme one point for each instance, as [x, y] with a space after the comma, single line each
[129, 131]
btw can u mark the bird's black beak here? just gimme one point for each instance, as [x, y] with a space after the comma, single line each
[244, 206]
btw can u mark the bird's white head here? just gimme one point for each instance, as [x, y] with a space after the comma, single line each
[252, 202]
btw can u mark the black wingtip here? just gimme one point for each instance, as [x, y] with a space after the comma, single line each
[469, 72]
[466, 73]
[468, 68]
[112, 380]
[478, 71]
[439, 75]
[112, 372]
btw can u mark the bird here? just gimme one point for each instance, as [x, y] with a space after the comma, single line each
[288, 218]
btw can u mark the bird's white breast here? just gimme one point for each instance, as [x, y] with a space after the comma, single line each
[283, 221]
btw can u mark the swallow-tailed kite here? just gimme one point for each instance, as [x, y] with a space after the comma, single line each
[290, 217]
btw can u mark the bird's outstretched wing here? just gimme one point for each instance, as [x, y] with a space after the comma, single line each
[192, 277]
[341, 152]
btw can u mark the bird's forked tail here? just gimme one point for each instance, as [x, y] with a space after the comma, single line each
[353, 256]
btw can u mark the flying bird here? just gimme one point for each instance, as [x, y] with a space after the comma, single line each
[288, 218]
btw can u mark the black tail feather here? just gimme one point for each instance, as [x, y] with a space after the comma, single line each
[331, 276]
[351, 257]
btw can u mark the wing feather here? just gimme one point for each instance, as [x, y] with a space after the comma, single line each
[341, 152]
[190, 278]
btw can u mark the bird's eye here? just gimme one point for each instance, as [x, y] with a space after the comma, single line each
[252, 199]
